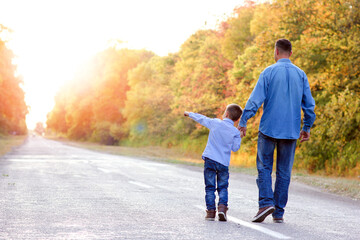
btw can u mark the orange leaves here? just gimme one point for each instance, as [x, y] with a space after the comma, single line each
[99, 100]
[13, 108]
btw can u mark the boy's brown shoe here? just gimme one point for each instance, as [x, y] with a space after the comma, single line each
[263, 213]
[278, 220]
[222, 209]
[210, 215]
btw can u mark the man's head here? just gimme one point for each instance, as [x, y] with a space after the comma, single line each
[283, 49]
[233, 111]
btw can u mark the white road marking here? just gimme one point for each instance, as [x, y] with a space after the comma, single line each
[252, 226]
[141, 184]
[165, 188]
[114, 170]
[105, 170]
[187, 189]
[143, 165]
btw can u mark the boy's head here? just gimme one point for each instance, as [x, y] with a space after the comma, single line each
[233, 111]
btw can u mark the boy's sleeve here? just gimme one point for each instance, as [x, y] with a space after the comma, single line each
[203, 120]
[236, 143]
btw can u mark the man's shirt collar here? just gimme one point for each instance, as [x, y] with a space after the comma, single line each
[285, 60]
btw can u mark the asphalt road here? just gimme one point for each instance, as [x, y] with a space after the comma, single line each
[49, 190]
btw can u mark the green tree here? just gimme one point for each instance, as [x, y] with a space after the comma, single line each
[147, 108]
[236, 31]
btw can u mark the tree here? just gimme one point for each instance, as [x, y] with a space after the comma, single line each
[13, 109]
[149, 100]
[90, 107]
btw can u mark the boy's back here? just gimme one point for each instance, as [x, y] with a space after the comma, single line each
[223, 138]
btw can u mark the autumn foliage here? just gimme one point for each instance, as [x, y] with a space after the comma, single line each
[134, 97]
[12, 104]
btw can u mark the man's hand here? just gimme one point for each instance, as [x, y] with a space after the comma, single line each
[186, 114]
[304, 136]
[242, 131]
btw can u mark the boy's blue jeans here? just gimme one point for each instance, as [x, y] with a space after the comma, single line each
[215, 174]
[284, 163]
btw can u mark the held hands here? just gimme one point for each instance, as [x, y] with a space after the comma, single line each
[242, 131]
[304, 136]
[186, 114]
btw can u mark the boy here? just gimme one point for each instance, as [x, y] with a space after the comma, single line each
[223, 138]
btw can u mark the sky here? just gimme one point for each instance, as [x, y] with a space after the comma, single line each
[52, 38]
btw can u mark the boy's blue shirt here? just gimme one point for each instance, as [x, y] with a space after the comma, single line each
[223, 138]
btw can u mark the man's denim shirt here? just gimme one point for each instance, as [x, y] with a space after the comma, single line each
[223, 138]
[284, 89]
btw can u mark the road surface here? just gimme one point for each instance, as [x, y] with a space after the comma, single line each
[53, 191]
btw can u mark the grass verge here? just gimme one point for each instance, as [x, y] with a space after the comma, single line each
[7, 143]
[341, 186]
[349, 187]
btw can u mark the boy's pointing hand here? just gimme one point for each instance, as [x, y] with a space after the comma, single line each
[186, 114]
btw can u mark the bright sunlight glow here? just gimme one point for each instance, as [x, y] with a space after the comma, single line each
[51, 38]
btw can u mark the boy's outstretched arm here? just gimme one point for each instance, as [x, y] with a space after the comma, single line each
[203, 120]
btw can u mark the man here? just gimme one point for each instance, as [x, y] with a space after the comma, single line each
[284, 89]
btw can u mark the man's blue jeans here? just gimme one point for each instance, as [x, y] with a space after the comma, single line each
[284, 161]
[215, 172]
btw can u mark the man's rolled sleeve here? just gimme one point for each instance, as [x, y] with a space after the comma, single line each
[243, 120]
[308, 106]
[256, 99]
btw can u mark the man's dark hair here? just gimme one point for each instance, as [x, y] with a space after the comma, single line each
[283, 45]
[234, 111]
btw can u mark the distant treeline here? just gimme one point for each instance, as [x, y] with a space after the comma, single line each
[134, 97]
[13, 109]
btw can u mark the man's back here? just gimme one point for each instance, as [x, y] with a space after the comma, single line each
[284, 89]
[282, 105]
